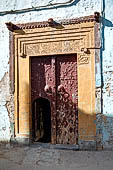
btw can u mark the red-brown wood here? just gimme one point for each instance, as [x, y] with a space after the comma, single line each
[55, 78]
[43, 75]
[67, 93]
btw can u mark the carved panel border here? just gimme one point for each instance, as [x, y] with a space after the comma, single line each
[69, 39]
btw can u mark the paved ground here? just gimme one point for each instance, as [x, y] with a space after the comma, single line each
[41, 158]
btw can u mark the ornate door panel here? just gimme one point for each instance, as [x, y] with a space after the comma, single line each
[43, 86]
[55, 78]
[67, 99]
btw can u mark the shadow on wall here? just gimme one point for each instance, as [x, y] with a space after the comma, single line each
[104, 23]
[104, 131]
[104, 123]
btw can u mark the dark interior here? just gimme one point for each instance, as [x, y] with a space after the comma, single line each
[41, 120]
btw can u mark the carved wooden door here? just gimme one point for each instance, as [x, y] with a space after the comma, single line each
[67, 99]
[43, 86]
[55, 78]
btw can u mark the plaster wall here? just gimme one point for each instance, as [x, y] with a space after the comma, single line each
[76, 9]
[107, 69]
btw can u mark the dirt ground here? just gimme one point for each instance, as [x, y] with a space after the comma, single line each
[42, 158]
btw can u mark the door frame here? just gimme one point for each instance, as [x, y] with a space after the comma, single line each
[39, 39]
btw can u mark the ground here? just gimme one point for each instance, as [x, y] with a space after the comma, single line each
[37, 157]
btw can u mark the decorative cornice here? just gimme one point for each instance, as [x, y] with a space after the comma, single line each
[33, 25]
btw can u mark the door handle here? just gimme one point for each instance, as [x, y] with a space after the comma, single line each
[62, 91]
[48, 89]
[61, 88]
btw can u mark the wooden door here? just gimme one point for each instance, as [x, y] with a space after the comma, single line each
[55, 79]
[43, 86]
[67, 93]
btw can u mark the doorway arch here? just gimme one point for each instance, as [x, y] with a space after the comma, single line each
[41, 120]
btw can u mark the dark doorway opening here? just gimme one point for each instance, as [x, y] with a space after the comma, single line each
[41, 120]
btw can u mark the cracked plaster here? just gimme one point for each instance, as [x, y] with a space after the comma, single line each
[83, 7]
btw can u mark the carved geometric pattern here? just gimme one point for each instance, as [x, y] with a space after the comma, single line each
[83, 59]
[57, 41]
[67, 100]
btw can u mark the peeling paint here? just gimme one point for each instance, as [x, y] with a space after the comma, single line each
[4, 87]
[6, 110]
[103, 78]
[10, 109]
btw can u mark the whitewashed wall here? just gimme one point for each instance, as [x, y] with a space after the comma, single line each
[76, 9]
[107, 61]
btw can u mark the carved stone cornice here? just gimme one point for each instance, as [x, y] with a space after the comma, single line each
[33, 25]
[50, 41]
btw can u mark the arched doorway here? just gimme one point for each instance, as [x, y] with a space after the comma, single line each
[41, 120]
